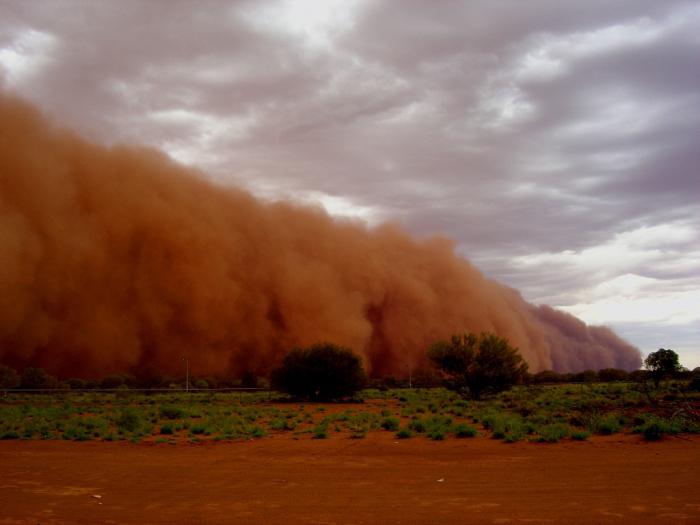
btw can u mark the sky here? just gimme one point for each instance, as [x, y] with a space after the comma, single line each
[556, 143]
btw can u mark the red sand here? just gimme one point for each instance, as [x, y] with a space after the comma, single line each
[375, 480]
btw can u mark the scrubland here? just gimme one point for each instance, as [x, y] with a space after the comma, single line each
[542, 413]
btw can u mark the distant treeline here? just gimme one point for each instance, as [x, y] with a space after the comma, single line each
[37, 378]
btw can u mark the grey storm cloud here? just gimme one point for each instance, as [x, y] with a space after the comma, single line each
[519, 129]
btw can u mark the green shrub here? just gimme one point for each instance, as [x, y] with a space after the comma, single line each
[654, 428]
[320, 432]
[463, 430]
[278, 424]
[609, 425]
[128, 421]
[320, 372]
[417, 425]
[390, 423]
[437, 433]
[653, 431]
[553, 433]
[172, 412]
[166, 429]
[404, 433]
[258, 432]
[694, 385]
[8, 378]
[474, 365]
[508, 427]
[580, 435]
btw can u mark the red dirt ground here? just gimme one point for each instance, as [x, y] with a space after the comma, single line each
[377, 480]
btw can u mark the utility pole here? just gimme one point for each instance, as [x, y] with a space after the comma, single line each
[410, 378]
[187, 373]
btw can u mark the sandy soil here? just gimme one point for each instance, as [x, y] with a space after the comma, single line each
[375, 480]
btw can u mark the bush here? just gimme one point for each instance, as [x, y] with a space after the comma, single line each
[437, 433]
[201, 384]
[320, 432]
[609, 425]
[198, 430]
[653, 431]
[404, 433]
[639, 376]
[112, 382]
[547, 376]
[504, 426]
[580, 435]
[553, 433]
[464, 431]
[612, 374]
[418, 426]
[128, 421]
[655, 428]
[322, 372]
[694, 384]
[77, 384]
[34, 378]
[8, 378]
[473, 365]
[587, 376]
[390, 423]
[171, 412]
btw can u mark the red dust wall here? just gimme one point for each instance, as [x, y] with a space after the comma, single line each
[118, 259]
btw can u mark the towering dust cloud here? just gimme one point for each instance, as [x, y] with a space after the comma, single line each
[119, 260]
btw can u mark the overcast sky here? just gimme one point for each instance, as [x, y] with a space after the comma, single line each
[558, 143]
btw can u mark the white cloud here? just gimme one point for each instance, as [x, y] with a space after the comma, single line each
[317, 23]
[343, 207]
[551, 55]
[25, 56]
[611, 288]
[650, 246]
[639, 306]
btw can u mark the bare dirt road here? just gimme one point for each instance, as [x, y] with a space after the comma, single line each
[377, 480]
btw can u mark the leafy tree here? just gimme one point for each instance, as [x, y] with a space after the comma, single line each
[474, 364]
[587, 376]
[249, 380]
[639, 376]
[547, 376]
[112, 382]
[694, 384]
[321, 372]
[9, 378]
[201, 384]
[37, 378]
[662, 363]
[612, 374]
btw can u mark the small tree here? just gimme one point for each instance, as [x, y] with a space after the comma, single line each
[9, 378]
[612, 374]
[34, 378]
[662, 363]
[547, 376]
[474, 365]
[321, 372]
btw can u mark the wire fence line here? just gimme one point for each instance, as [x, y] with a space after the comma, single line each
[126, 390]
